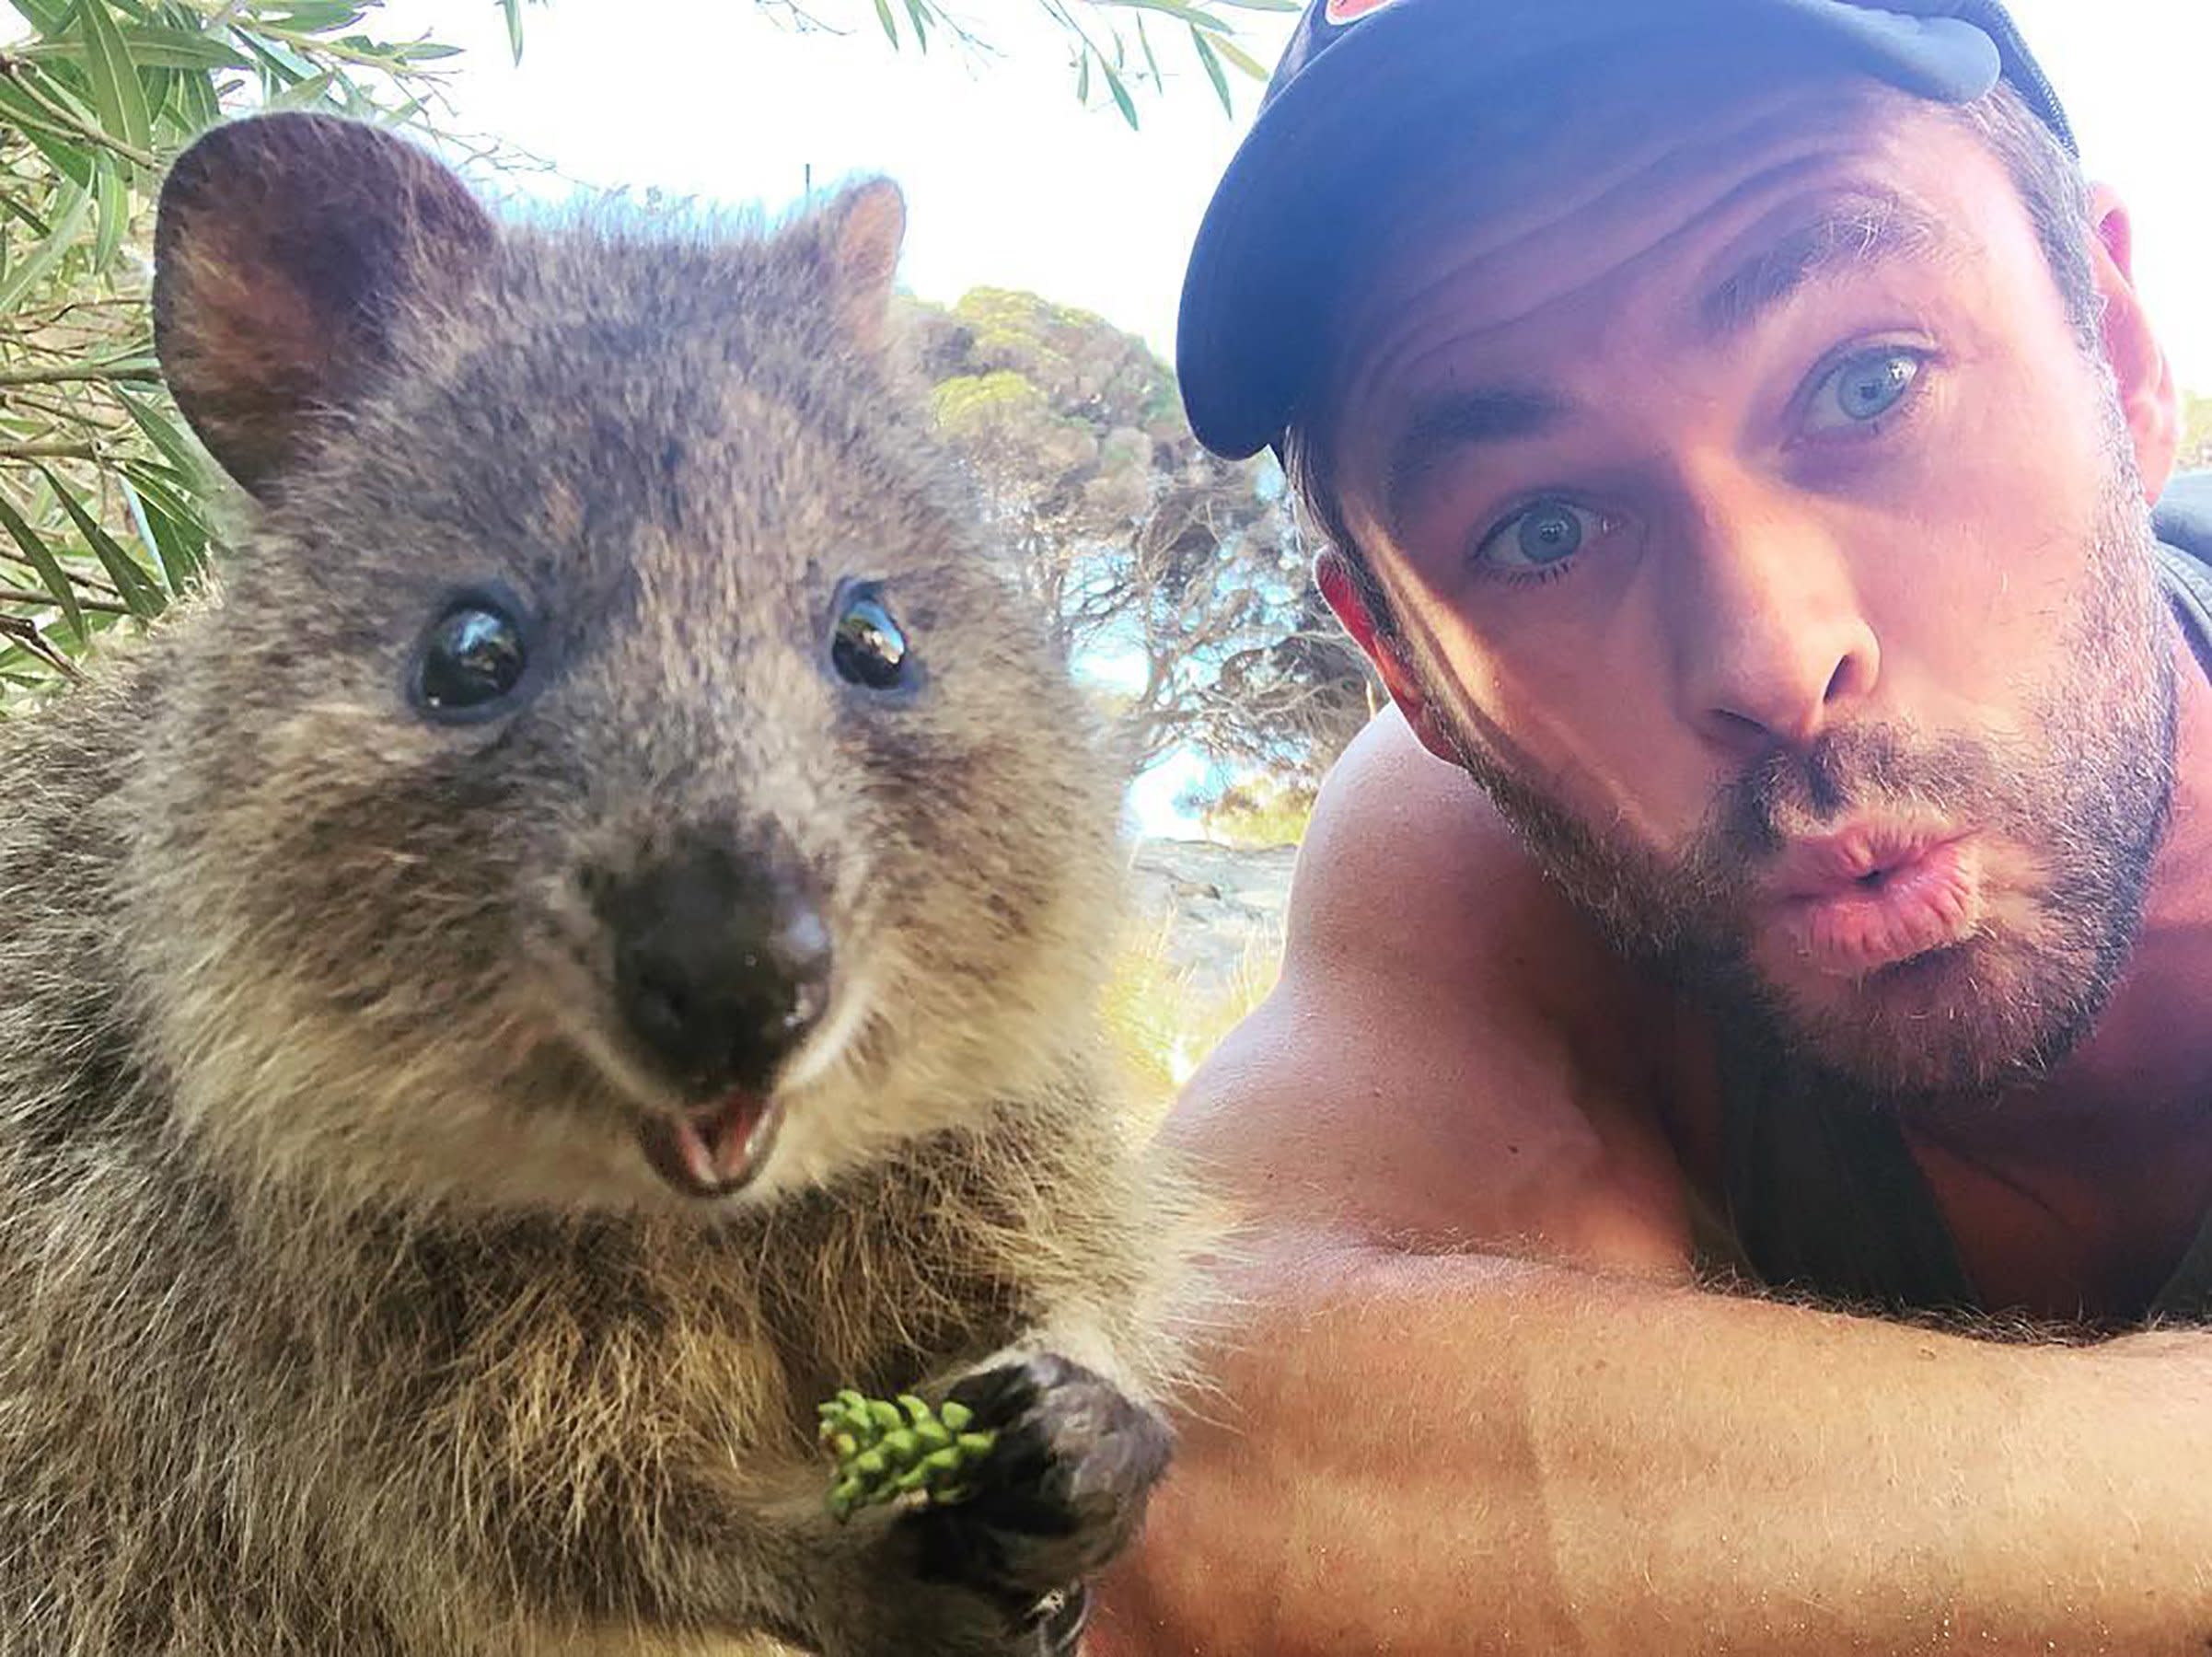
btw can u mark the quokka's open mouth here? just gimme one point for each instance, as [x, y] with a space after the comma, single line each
[714, 1149]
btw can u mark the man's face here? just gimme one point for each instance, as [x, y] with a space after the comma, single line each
[1763, 537]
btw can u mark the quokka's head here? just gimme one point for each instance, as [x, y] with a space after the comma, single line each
[619, 775]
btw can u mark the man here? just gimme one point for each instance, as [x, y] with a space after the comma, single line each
[1735, 429]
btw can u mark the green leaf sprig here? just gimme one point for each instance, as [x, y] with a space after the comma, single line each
[889, 1450]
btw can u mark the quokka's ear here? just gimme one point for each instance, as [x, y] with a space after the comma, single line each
[862, 230]
[285, 249]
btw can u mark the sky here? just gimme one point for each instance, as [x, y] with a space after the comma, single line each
[1010, 182]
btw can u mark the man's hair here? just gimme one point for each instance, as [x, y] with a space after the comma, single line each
[2051, 187]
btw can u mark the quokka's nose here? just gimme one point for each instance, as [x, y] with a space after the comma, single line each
[721, 964]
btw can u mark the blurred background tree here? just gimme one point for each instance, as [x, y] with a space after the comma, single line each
[1177, 580]
[2196, 432]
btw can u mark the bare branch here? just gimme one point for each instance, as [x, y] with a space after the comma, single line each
[48, 451]
[27, 634]
[129, 374]
[9, 594]
[26, 75]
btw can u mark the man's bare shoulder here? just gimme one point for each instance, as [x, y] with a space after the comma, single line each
[1405, 849]
[1452, 1054]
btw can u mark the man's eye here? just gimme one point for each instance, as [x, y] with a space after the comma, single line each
[1862, 389]
[1539, 538]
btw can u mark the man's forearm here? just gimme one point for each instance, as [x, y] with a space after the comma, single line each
[1451, 1454]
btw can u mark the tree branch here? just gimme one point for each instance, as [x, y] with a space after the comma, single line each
[9, 594]
[63, 376]
[13, 69]
[26, 635]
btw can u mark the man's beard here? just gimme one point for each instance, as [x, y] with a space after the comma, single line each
[2085, 789]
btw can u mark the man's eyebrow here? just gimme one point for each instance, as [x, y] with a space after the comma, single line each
[1459, 419]
[1851, 233]
[1850, 230]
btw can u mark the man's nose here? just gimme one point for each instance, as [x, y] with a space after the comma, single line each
[1773, 645]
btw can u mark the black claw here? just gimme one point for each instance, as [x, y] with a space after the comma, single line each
[1062, 1492]
[997, 1396]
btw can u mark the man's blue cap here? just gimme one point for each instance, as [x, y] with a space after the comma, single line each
[1255, 294]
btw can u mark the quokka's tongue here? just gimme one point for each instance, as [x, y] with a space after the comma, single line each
[712, 1150]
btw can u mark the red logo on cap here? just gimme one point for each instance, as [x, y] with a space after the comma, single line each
[1341, 12]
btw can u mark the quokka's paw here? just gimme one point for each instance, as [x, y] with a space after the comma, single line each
[1061, 1493]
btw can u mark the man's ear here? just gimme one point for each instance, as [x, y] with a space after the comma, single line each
[2149, 398]
[863, 231]
[1341, 589]
[285, 248]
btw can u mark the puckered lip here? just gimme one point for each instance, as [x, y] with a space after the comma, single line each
[1827, 865]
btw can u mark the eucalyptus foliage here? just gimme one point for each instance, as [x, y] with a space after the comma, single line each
[109, 512]
[1111, 43]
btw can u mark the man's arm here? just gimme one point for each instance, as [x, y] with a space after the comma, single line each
[1473, 1402]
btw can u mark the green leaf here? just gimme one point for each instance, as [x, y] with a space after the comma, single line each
[305, 94]
[512, 10]
[116, 94]
[172, 551]
[151, 48]
[20, 210]
[278, 69]
[198, 105]
[1082, 79]
[166, 436]
[161, 85]
[917, 14]
[1152, 63]
[113, 197]
[68, 225]
[156, 48]
[131, 580]
[1242, 59]
[883, 16]
[1121, 93]
[69, 154]
[163, 490]
[1178, 10]
[138, 518]
[179, 545]
[48, 16]
[1211, 60]
[48, 568]
[129, 359]
[172, 490]
[178, 525]
[314, 16]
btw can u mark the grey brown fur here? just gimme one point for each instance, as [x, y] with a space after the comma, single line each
[338, 1309]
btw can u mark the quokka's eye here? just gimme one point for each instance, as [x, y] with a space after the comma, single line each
[867, 646]
[472, 658]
